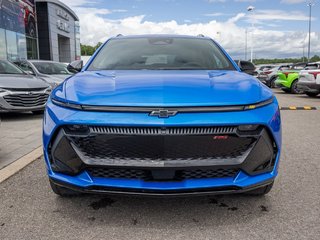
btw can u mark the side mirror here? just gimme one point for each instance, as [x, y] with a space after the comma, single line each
[75, 66]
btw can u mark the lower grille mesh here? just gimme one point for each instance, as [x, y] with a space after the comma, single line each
[147, 174]
[209, 173]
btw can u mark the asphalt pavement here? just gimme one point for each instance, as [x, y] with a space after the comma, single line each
[29, 210]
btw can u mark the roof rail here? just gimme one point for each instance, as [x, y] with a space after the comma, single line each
[119, 35]
[200, 35]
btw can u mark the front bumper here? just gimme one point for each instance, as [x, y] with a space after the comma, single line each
[201, 191]
[311, 87]
[284, 85]
[56, 116]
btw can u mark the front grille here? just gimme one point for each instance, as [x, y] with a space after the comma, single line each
[27, 100]
[148, 175]
[134, 154]
[151, 149]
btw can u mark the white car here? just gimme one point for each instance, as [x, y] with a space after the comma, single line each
[309, 80]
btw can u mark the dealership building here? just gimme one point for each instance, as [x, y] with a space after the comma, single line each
[38, 29]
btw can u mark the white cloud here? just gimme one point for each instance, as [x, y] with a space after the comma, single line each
[237, 18]
[232, 37]
[270, 14]
[215, 14]
[293, 1]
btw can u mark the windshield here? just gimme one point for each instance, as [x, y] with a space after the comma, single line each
[312, 66]
[9, 68]
[51, 68]
[161, 54]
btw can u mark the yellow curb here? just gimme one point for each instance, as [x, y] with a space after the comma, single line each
[19, 164]
[307, 108]
[293, 108]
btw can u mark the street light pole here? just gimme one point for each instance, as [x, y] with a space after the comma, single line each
[250, 9]
[310, 7]
[246, 46]
[310, 4]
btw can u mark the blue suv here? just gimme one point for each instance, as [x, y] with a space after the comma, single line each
[161, 115]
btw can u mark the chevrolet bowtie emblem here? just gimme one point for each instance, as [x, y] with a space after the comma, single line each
[163, 113]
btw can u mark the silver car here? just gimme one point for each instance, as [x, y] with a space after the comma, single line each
[20, 91]
[52, 72]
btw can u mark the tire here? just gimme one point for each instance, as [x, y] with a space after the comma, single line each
[286, 90]
[272, 84]
[63, 192]
[39, 112]
[294, 88]
[312, 94]
[261, 191]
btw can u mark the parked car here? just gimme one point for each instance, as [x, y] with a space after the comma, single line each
[161, 115]
[309, 80]
[20, 91]
[247, 67]
[269, 76]
[287, 79]
[52, 72]
[261, 68]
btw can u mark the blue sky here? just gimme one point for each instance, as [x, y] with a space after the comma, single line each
[279, 26]
[201, 11]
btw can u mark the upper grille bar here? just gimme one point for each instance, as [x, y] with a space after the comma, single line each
[26, 100]
[163, 131]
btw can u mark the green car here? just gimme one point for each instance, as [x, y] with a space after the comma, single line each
[287, 80]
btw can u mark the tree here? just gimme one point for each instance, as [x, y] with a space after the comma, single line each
[315, 58]
[87, 50]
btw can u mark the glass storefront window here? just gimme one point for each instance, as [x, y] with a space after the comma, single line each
[22, 46]
[32, 49]
[3, 45]
[12, 47]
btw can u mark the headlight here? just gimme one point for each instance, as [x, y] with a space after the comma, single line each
[258, 105]
[54, 84]
[3, 90]
[65, 104]
[48, 90]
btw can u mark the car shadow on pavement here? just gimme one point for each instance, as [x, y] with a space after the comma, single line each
[19, 116]
[163, 213]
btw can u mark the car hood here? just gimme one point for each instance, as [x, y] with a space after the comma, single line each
[57, 78]
[164, 88]
[18, 81]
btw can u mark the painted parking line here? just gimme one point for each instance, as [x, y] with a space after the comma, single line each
[298, 108]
